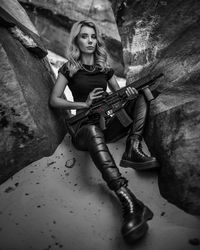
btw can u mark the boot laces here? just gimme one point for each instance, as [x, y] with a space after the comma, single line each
[139, 150]
[127, 204]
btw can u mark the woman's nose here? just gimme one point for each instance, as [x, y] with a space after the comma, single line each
[89, 40]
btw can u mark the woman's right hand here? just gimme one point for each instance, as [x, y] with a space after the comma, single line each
[94, 94]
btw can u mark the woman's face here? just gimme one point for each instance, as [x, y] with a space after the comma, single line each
[87, 40]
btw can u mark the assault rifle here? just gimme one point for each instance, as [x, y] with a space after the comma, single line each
[113, 103]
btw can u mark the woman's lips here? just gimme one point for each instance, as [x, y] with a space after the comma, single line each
[90, 47]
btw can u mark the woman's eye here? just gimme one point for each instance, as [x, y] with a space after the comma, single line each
[84, 36]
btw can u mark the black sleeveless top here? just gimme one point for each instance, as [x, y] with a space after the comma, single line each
[83, 82]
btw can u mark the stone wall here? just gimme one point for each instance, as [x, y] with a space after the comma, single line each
[164, 37]
[54, 19]
[29, 129]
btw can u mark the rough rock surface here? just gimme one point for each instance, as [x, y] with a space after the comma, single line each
[53, 19]
[164, 36]
[29, 129]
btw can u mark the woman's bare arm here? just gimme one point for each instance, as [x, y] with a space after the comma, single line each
[57, 100]
[113, 86]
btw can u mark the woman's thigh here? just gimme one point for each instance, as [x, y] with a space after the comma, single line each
[86, 136]
[114, 129]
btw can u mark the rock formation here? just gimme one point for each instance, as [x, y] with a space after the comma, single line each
[29, 129]
[53, 20]
[164, 36]
[157, 36]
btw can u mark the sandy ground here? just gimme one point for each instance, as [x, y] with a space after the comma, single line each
[61, 202]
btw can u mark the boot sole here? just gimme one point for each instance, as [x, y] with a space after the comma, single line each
[138, 232]
[139, 165]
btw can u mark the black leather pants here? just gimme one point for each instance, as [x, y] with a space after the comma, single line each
[137, 109]
[91, 138]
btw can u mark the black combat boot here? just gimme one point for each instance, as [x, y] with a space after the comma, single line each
[134, 157]
[135, 215]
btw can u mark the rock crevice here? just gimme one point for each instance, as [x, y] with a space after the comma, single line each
[164, 37]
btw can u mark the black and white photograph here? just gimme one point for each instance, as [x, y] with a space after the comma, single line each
[99, 124]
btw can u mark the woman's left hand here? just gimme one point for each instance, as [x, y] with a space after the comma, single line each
[131, 93]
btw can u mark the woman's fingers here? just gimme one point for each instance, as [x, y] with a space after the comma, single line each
[131, 92]
[97, 93]
[97, 89]
[97, 97]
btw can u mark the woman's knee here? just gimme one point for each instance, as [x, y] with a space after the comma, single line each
[88, 135]
[141, 98]
[92, 131]
[140, 103]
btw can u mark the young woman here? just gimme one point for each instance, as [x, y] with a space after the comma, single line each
[88, 75]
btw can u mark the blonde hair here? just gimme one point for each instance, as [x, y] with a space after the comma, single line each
[74, 53]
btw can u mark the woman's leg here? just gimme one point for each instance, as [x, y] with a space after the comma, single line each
[91, 138]
[136, 214]
[133, 156]
[137, 109]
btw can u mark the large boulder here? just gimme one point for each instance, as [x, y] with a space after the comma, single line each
[29, 129]
[164, 36]
[54, 19]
